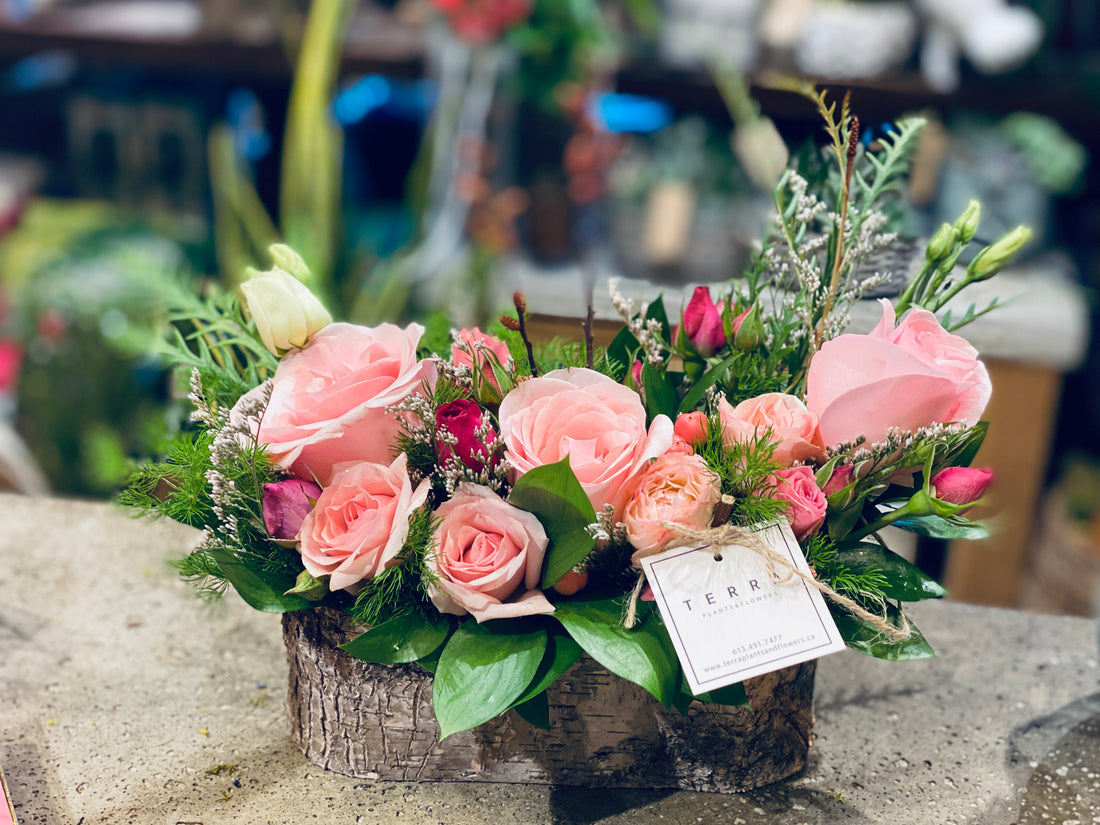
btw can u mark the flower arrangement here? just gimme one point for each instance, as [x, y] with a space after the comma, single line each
[485, 511]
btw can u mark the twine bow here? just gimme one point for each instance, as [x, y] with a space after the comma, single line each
[779, 567]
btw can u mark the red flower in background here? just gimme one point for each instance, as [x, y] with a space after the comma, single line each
[483, 21]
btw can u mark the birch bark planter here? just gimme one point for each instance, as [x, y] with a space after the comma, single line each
[376, 722]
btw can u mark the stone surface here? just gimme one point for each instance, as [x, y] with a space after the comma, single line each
[127, 700]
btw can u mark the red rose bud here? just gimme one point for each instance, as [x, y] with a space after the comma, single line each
[961, 485]
[286, 504]
[703, 323]
[462, 419]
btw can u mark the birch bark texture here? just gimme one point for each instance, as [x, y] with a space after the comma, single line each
[375, 722]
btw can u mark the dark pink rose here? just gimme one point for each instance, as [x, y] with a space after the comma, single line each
[462, 419]
[841, 478]
[806, 501]
[703, 323]
[286, 504]
[961, 485]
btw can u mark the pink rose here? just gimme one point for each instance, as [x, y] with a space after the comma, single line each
[806, 501]
[961, 485]
[792, 425]
[595, 421]
[286, 504]
[702, 323]
[489, 557]
[906, 377]
[328, 402]
[461, 419]
[473, 347]
[360, 522]
[674, 487]
[692, 427]
[840, 478]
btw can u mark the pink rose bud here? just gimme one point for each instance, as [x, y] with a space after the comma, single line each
[286, 504]
[961, 485]
[692, 427]
[572, 582]
[735, 324]
[636, 373]
[805, 500]
[703, 323]
[841, 478]
[462, 419]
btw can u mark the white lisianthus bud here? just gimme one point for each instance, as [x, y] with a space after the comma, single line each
[285, 311]
[287, 259]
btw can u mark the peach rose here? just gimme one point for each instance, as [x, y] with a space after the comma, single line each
[489, 557]
[792, 425]
[328, 402]
[360, 522]
[907, 377]
[674, 487]
[797, 487]
[597, 422]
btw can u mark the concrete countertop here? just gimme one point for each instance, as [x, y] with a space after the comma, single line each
[128, 700]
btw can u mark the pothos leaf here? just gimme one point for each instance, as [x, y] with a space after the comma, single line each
[866, 638]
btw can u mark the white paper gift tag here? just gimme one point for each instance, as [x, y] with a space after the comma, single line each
[729, 620]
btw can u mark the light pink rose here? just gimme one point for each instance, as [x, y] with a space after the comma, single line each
[906, 377]
[792, 425]
[360, 522]
[674, 487]
[806, 501]
[597, 422]
[328, 402]
[489, 557]
[474, 348]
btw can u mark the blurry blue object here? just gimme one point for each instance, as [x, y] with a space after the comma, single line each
[18, 10]
[632, 113]
[246, 118]
[49, 68]
[374, 92]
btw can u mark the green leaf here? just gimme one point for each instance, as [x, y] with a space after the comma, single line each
[937, 527]
[482, 673]
[262, 590]
[643, 655]
[561, 654]
[864, 637]
[656, 311]
[621, 350]
[660, 395]
[536, 711]
[964, 456]
[404, 638]
[553, 494]
[729, 695]
[713, 375]
[905, 582]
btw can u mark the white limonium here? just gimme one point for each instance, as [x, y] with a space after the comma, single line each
[285, 311]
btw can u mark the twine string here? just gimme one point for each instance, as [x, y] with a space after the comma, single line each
[779, 567]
